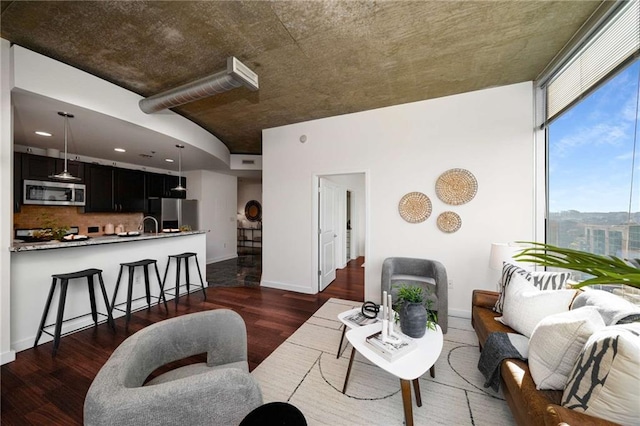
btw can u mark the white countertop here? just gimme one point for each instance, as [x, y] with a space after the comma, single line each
[107, 239]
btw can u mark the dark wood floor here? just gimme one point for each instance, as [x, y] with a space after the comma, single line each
[40, 390]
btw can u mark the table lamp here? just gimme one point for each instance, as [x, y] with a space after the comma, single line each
[500, 253]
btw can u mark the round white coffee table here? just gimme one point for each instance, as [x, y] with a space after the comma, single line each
[408, 368]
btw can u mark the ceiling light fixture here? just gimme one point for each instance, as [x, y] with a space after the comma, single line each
[236, 75]
[119, 149]
[65, 175]
[179, 187]
[41, 133]
[168, 160]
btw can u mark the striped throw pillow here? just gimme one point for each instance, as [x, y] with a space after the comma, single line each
[541, 279]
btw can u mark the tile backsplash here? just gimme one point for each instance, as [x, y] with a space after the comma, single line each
[35, 217]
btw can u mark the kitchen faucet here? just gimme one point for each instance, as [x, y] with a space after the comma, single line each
[141, 227]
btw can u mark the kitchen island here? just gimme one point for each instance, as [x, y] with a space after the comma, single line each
[32, 265]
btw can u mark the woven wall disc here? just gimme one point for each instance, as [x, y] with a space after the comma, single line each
[415, 207]
[456, 186]
[449, 222]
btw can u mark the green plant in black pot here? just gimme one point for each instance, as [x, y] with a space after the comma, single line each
[416, 310]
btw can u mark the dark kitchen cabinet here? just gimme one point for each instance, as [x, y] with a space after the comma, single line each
[99, 181]
[38, 167]
[160, 186]
[76, 168]
[17, 181]
[128, 190]
[171, 182]
[114, 190]
[154, 185]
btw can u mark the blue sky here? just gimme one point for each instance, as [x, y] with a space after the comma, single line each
[591, 150]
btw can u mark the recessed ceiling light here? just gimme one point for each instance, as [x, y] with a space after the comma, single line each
[168, 160]
[120, 149]
[41, 133]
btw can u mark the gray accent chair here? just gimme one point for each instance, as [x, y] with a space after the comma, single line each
[429, 274]
[218, 392]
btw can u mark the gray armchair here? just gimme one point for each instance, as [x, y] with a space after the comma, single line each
[429, 274]
[218, 392]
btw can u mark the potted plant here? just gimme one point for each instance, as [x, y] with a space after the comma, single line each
[604, 269]
[416, 311]
[51, 229]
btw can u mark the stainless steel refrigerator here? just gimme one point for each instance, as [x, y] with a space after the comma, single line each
[172, 213]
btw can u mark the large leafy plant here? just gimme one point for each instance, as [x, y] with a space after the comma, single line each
[604, 269]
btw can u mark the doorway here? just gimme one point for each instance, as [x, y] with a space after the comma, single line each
[340, 223]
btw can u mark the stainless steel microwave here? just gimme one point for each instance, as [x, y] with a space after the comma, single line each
[53, 193]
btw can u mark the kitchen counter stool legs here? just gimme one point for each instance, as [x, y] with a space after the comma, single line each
[131, 268]
[179, 257]
[64, 283]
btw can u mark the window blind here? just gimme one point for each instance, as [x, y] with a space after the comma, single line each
[616, 41]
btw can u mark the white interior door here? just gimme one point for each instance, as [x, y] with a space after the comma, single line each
[327, 232]
[341, 226]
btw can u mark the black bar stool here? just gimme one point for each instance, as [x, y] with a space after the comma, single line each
[131, 268]
[185, 257]
[64, 282]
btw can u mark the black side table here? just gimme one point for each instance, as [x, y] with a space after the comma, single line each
[275, 414]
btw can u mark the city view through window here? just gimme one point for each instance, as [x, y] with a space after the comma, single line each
[594, 171]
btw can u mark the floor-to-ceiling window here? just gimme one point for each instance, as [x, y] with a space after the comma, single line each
[594, 170]
[593, 153]
[593, 142]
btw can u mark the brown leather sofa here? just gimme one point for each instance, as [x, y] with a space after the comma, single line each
[528, 405]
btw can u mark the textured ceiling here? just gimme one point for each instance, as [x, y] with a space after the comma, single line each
[314, 58]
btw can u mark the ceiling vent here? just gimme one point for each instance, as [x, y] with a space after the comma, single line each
[237, 74]
[248, 161]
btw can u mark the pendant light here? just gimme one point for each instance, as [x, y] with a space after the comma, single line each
[179, 187]
[65, 175]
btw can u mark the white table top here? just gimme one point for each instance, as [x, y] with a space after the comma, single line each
[343, 315]
[410, 366]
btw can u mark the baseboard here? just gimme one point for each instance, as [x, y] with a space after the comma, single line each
[460, 313]
[220, 259]
[7, 357]
[288, 287]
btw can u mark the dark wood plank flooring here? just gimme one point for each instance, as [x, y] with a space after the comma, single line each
[39, 390]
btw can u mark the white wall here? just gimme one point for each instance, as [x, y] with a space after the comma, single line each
[217, 194]
[6, 195]
[402, 149]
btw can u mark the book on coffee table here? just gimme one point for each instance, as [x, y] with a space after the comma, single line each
[357, 319]
[390, 351]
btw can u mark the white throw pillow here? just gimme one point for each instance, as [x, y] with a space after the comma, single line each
[605, 381]
[556, 343]
[544, 280]
[508, 272]
[612, 308]
[525, 305]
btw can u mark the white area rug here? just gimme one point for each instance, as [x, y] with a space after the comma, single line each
[305, 372]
